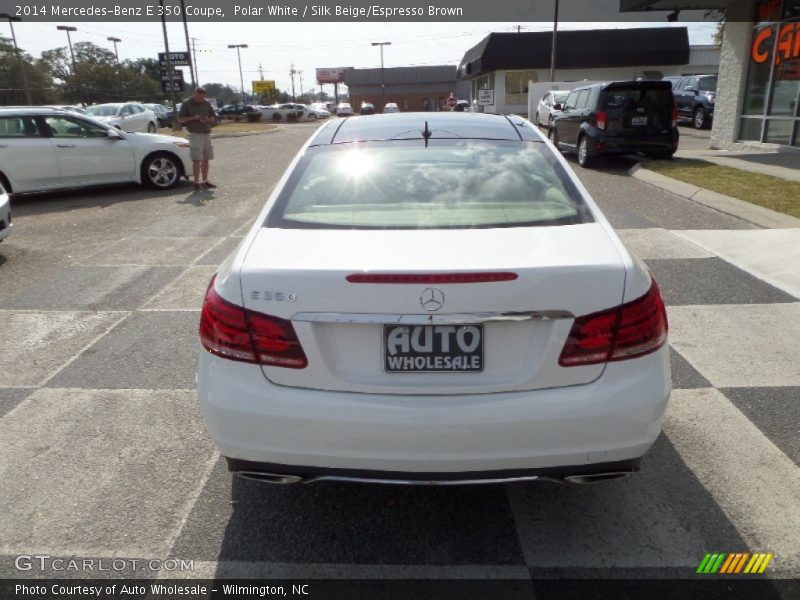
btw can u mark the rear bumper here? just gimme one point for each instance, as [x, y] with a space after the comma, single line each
[632, 145]
[616, 418]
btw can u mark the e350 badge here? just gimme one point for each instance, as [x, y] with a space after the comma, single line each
[270, 296]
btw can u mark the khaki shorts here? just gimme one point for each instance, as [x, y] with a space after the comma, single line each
[200, 146]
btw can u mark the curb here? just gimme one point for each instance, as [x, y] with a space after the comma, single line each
[752, 213]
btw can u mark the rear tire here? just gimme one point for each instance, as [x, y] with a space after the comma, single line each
[161, 171]
[584, 157]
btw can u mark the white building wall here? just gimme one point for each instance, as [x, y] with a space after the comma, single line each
[572, 75]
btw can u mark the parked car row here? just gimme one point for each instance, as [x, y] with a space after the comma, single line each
[277, 112]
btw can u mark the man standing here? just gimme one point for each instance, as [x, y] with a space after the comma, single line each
[198, 115]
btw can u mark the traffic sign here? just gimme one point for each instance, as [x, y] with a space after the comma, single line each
[485, 97]
[177, 59]
[451, 101]
[263, 86]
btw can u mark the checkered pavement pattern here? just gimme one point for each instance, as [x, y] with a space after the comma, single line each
[105, 453]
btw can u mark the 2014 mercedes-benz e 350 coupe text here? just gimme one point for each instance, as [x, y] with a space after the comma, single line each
[432, 298]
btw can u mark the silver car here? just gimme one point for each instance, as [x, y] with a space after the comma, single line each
[128, 116]
[547, 107]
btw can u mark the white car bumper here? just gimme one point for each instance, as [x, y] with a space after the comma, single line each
[616, 418]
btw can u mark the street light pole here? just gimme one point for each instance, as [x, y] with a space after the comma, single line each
[383, 85]
[114, 40]
[27, 89]
[239, 55]
[292, 73]
[69, 29]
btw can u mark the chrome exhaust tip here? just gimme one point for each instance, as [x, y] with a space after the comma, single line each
[269, 477]
[597, 477]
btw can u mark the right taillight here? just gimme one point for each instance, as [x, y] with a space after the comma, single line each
[628, 331]
[235, 333]
[602, 118]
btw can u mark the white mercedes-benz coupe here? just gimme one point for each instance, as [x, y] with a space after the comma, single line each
[432, 298]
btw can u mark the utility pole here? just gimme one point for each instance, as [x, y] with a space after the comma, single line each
[383, 85]
[25, 86]
[188, 46]
[241, 77]
[69, 29]
[174, 118]
[301, 83]
[194, 59]
[292, 73]
[553, 49]
[115, 40]
[260, 72]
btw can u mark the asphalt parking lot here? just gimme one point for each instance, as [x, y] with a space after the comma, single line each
[105, 454]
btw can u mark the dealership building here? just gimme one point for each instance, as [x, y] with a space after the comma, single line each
[505, 63]
[758, 94]
[424, 88]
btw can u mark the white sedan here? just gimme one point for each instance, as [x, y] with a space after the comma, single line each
[5, 214]
[45, 149]
[128, 116]
[546, 109]
[432, 298]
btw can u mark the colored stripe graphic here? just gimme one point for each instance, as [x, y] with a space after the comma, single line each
[734, 563]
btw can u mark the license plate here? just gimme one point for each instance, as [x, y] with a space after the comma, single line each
[433, 348]
[639, 121]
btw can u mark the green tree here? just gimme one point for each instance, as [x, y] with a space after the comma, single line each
[223, 93]
[11, 82]
[97, 78]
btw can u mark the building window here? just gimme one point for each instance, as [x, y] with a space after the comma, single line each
[771, 108]
[517, 86]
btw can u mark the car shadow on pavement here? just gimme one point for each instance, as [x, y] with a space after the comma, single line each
[657, 523]
[93, 197]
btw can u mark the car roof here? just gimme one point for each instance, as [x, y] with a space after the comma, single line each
[442, 125]
[30, 110]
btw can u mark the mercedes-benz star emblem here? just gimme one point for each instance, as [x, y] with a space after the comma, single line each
[432, 299]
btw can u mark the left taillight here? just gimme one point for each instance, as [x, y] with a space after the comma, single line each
[628, 331]
[235, 333]
[674, 115]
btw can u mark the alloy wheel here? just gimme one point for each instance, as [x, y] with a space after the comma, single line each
[162, 172]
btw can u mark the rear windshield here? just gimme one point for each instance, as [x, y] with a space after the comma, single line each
[621, 98]
[450, 184]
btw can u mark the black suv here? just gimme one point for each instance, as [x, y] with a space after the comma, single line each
[617, 118]
[695, 97]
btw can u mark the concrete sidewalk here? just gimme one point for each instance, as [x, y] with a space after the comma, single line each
[785, 165]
